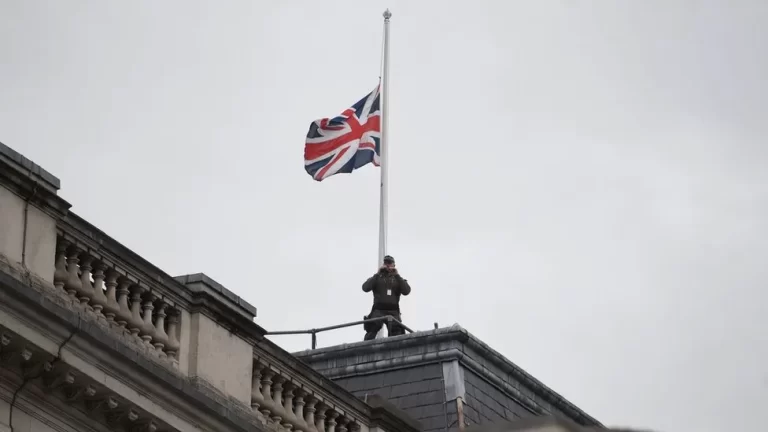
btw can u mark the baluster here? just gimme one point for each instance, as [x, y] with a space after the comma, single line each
[60, 274]
[342, 424]
[354, 426]
[86, 288]
[309, 411]
[136, 322]
[298, 403]
[256, 396]
[98, 299]
[266, 391]
[331, 422]
[73, 280]
[123, 314]
[277, 398]
[147, 329]
[160, 338]
[173, 344]
[111, 307]
[288, 389]
[322, 409]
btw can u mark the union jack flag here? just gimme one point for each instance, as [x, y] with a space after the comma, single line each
[346, 142]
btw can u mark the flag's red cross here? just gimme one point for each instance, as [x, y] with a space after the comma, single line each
[356, 132]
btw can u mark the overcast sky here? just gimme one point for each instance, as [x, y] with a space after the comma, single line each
[582, 185]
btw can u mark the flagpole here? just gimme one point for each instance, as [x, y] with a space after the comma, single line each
[384, 139]
[384, 142]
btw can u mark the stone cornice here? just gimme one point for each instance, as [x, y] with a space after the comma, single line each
[189, 398]
[36, 403]
[452, 342]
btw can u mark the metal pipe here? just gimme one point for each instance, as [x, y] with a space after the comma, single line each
[338, 326]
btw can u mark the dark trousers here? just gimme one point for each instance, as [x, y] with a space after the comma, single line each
[372, 328]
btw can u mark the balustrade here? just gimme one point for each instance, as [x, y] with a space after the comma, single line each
[284, 402]
[107, 291]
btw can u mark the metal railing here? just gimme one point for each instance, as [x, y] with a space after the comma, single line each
[389, 319]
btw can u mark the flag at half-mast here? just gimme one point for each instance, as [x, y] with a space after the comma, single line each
[346, 142]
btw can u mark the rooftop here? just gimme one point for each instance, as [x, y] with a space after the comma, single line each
[484, 374]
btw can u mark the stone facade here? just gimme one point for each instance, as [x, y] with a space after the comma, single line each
[95, 338]
[445, 378]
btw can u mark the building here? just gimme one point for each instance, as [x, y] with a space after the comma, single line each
[94, 338]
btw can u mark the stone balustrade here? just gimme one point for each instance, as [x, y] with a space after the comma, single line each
[105, 288]
[281, 399]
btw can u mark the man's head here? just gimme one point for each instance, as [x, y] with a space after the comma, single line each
[389, 262]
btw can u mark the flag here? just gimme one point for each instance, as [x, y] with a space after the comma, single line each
[346, 142]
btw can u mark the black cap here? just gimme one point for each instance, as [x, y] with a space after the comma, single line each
[388, 258]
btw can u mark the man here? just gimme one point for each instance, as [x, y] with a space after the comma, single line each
[387, 286]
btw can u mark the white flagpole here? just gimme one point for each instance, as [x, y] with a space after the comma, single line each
[384, 150]
[384, 140]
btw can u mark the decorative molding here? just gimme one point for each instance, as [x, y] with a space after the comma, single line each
[85, 395]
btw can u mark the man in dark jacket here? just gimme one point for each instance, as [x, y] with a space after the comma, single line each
[387, 286]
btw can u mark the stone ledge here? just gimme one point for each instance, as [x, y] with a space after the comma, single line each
[200, 283]
[22, 164]
[195, 392]
[29, 181]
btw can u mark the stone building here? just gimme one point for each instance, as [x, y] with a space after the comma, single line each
[94, 338]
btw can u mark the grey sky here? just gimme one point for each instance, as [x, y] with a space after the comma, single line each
[580, 184]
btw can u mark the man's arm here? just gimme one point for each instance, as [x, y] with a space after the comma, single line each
[405, 288]
[368, 285]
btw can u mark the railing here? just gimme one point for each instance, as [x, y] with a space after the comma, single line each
[283, 400]
[120, 287]
[288, 398]
[110, 292]
[389, 319]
